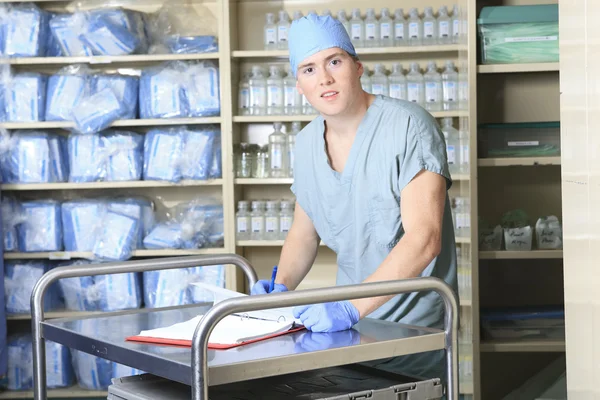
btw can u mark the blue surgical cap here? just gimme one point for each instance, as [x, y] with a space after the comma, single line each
[312, 34]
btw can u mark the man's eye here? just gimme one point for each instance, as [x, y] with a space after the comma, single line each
[308, 70]
[335, 62]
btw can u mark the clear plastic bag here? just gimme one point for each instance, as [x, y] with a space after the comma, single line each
[125, 87]
[12, 216]
[167, 288]
[33, 157]
[5, 79]
[87, 161]
[93, 373]
[25, 30]
[98, 111]
[66, 90]
[163, 149]
[81, 220]
[67, 29]
[19, 280]
[124, 155]
[201, 89]
[182, 28]
[197, 156]
[25, 97]
[162, 91]
[41, 229]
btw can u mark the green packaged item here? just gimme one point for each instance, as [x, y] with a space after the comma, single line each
[521, 139]
[519, 34]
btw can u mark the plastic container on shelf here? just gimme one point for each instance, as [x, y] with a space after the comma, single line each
[535, 139]
[539, 323]
[519, 34]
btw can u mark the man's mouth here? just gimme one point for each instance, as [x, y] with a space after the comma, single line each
[329, 94]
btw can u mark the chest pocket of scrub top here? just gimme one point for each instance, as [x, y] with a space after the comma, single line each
[384, 221]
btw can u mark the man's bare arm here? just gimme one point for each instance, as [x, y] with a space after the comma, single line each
[422, 210]
[299, 250]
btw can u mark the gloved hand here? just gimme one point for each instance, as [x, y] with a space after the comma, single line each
[262, 287]
[328, 317]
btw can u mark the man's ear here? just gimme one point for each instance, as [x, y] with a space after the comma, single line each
[360, 68]
[298, 87]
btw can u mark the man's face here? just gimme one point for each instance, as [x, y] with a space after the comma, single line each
[330, 80]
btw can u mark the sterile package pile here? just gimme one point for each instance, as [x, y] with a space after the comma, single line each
[180, 89]
[29, 31]
[19, 279]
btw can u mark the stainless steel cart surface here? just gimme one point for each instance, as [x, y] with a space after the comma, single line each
[104, 335]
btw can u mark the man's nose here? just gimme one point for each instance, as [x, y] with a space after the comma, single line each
[326, 78]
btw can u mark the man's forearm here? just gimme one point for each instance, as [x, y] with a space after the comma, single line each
[297, 257]
[408, 259]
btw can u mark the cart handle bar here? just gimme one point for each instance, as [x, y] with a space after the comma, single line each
[219, 311]
[74, 271]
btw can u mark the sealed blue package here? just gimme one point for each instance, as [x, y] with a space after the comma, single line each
[162, 155]
[168, 288]
[36, 157]
[148, 219]
[41, 229]
[59, 370]
[25, 31]
[81, 220]
[87, 161]
[25, 100]
[117, 238]
[53, 48]
[125, 88]
[97, 112]
[216, 170]
[67, 30]
[124, 153]
[11, 217]
[201, 88]
[164, 236]
[114, 32]
[161, 92]
[93, 373]
[139, 208]
[118, 291]
[5, 79]
[79, 293]
[197, 156]
[65, 91]
[191, 44]
[4, 22]
[19, 281]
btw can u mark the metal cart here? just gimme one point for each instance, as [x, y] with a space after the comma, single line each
[104, 335]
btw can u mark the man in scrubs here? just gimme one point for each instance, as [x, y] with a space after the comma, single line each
[371, 180]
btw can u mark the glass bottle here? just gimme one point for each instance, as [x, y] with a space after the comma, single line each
[291, 146]
[261, 163]
[257, 218]
[244, 96]
[450, 87]
[258, 92]
[292, 99]
[386, 29]
[307, 108]
[456, 24]
[365, 80]
[357, 28]
[452, 145]
[400, 28]
[465, 146]
[371, 29]
[415, 28]
[379, 81]
[463, 88]
[274, 91]
[272, 221]
[278, 152]
[270, 32]
[283, 27]
[343, 18]
[297, 15]
[243, 221]
[430, 34]
[244, 161]
[286, 218]
[444, 26]
[415, 85]
[433, 88]
[397, 82]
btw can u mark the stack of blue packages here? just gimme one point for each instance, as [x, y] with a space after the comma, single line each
[5, 79]
[117, 237]
[164, 236]
[216, 170]
[59, 370]
[114, 32]
[168, 288]
[25, 31]
[81, 220]
[139, 208]
[25, 98]
[178, 44]
[11, 217]
[197, 157]
[202, 226]
[98, 111]
[93, 373]
[67, 30]
[201, 90]
[53, 48]
[124, 152]
[87, 161]
[65, 91]
[19, 280]
[41, 229]
[36, 157]
[161, 92]
[211, 275]
[125, 88]
[162, 153]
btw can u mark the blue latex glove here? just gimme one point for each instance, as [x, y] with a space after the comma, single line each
[262, 287]
[328, 317]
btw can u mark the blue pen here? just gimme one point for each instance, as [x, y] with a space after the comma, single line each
[273, 275]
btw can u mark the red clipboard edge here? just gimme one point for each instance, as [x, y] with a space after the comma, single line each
[214, 346]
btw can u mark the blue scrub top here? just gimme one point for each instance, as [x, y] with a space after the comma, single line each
[357, 212]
